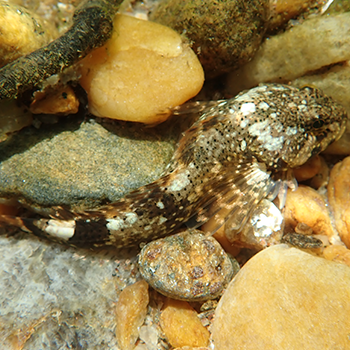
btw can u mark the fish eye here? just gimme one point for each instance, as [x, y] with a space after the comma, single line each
[318, 124]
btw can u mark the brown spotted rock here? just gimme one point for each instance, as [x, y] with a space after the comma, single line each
[186, 266]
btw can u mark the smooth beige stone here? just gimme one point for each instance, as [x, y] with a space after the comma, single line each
[144, 70]
[315, 43]
[339, 198]
[284, 298]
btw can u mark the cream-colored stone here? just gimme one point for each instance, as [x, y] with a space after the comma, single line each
[131, 312]
[339, 198]
[182, 326]
[287, 299]
[305, 205]
[315, 43]
[142, 71]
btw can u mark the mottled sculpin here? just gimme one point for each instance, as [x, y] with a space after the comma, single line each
[240, 151]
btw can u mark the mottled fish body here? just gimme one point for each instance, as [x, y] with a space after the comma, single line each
[240, 151]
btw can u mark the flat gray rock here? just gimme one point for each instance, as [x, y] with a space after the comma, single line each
[83, 164]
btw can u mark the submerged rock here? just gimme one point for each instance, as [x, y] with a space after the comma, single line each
[82, 165]
[284, 298]
[224, 34]
[187, 266]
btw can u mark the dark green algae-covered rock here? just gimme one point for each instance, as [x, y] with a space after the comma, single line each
[224, 34]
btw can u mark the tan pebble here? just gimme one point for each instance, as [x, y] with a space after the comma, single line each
[284, 298]
[21, 32]
[337, 253]
[284, 10]
[141, 72]
[182, 326]
[339, 198]
[221, 238]
[322, 177]
[342, 146]
[303, 229]
[292, 7]
[192, 348]
[305, 205]
[131, 311]
[308, 170]
[62, 101]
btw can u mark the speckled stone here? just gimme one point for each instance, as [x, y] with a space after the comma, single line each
[224, 34]
[82, 164]
[56, 297]
[187, 266]
[284, 298]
